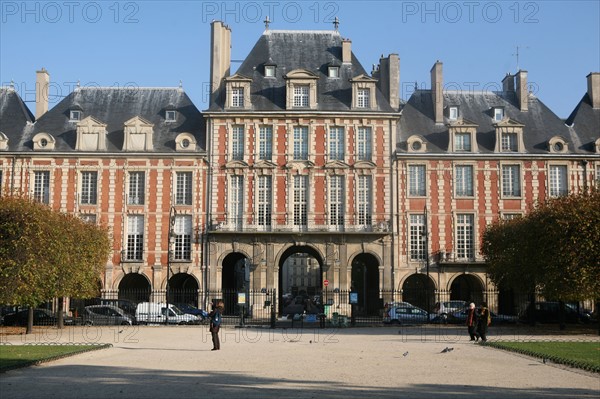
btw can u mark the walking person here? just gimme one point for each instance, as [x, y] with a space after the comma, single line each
[472, 322]
[215, 324]
[483, 321]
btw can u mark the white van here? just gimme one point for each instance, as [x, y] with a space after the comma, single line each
[153, 312]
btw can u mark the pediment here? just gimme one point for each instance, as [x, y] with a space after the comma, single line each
[236, 164]
[299, 165]
[238, 78]
[363, 78]
[364, 165]
[265, 164]
[138, 122]
[301, 74]
[90, 124]
[462, 122]
[508, 122]
[336, 165]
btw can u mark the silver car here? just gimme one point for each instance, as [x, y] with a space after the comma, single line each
[106, 315]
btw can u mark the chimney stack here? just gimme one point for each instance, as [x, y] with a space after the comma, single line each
[522, 91]
[593, 83]
[389, 79]
[437, 95]
[508, 83]
[220, 56]
[346, 51]
[42, 88]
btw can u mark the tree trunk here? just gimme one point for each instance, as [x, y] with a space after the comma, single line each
[29, 328]
[60, 323]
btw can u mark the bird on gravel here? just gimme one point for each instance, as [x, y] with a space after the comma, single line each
[446, 349]
[405, 354]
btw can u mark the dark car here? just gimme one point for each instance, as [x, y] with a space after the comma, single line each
[191, 309]
[41, 317]
[460, 317]
[125, 304]
[548, 312]
[106, 315]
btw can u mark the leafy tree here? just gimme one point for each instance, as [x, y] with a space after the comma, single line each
[46, 254]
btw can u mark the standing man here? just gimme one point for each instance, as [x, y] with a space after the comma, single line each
[472, 322]
[215, 324]
[483, 321]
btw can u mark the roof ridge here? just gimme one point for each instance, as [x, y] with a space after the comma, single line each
[126, 88]
[323, 31]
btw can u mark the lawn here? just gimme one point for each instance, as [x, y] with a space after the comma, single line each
[15, 356]
[585, 355]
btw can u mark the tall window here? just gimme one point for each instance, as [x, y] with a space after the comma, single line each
[41, 187]
[237, 97]
[363, 144]
[300, 143]
[135, 237]
[301, 95]
[364, 200]
[300, 200]
[183, 237]
[511, 180]
[453, 113]
[498, 114]
[509, 142]
[363, 98]
[137, 187]
[417, 240]
[183, 189]
[558, 180]
[464, 180]
[465, 237]
[265, 143]
[336, 144]
[237, 143]
[264, 196]
[416, 180]
[462, 142]
[336, 200]
[89, 188]
[236, 200]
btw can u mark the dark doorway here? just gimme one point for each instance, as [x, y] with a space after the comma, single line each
[183, 288]
[419, 290]
[365, 281]
[300, 281]
[466, 288]
[233, 281]
[134, 287]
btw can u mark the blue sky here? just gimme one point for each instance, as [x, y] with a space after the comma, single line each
[160, 43]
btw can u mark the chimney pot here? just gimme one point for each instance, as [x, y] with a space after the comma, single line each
[346, 51]
[42, 88]
[522, 91]
[593, 84]
[437, 95]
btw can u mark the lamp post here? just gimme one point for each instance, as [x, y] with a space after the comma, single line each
[426, 245]
[171, 241]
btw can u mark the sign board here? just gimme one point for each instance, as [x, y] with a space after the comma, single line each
[353, 298]
[241, 298]
[325, 283]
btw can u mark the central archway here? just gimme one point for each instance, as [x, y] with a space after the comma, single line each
[365, 281]
[233, 281]
[183, 289]
[134, 287]
[300, 280]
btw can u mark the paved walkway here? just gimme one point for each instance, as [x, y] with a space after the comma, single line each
[176, 362]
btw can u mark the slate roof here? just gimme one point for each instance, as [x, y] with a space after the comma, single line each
[14, 114]
[540, 122]
[115, 106]
[314, 51]
[584, 121]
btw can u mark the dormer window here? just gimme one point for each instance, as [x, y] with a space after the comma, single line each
[269, 71]
[301, 89]
[363, 98]
[74, 116]
[558, 145]
[170, 116]
[301, 95]
[498, 114]
[462, 142]
[363, 92]
[416, 143]
[237, 97]
[334, 72]
[453, 113]
[238, 92]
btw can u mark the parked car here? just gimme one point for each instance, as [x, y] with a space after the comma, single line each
[404, 312]
[106, 315]
[548, 312]
[460, 317]
[41, 317]
[191, 309]
[152, 312]
[124, 304]
[441, 309]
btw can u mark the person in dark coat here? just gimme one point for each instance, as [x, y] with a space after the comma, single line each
[483, 321]
[472, 321]
[215, 324]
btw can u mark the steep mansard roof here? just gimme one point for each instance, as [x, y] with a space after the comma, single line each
[14, 114]
[584, 121]
[314, 51]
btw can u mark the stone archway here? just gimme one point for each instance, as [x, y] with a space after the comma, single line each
[419, 290]
[365, 281]
[183, 288]
[468, 288]
[233, 280]
[300, 282]
[135, 287]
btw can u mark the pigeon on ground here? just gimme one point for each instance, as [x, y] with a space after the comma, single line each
[446, 349]
[405, 354]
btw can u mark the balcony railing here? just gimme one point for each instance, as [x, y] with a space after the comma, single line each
[316, 225]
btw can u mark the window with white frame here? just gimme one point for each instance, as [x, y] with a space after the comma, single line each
[453, 113]
[183, 188]
[74, 116]
[416, 180]
[237, 97]
[264, 200]
[417, 237]
[363, 144]
[498, 114]
[558, 181]
[41, 186]
[363, 97]
[465, 238]
[237, 143]
[364, 200]
[135, 237]
[301, 93]
[336, 200]
[270, 71]
[236, 200]
[509, 142]
[137, 188]
[170, 116]
[462, 142]
[183, 237]
[463, 180]
[265, 143]
[336, 144]
[89, 188]
[300, 200]
[511, 180]
[334, 72]
[301, 143]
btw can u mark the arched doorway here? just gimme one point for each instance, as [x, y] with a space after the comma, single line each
[365, 281]
[300, 281]
[468, 288]
[419, 290]
[235, 279]
[183, 288]
[134, 287]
